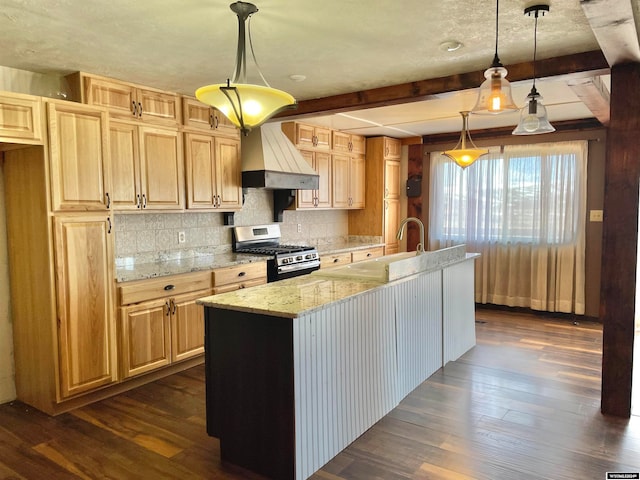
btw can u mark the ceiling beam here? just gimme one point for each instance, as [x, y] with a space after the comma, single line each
[580, 65]
[594, 94]
[614, 27]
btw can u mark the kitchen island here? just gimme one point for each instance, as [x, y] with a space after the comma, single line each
[298, 369]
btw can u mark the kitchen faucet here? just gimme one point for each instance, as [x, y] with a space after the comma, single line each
[420, 247]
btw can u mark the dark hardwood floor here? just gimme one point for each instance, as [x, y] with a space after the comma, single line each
[524, 403]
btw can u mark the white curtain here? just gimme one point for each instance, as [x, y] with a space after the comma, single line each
[523, 208]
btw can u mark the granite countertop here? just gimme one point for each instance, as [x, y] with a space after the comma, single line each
[291, 297]
[126, 272]
[288, 298]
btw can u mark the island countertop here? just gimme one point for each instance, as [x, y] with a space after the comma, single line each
[291, 297]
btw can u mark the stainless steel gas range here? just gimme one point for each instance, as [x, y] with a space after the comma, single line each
[285, 261]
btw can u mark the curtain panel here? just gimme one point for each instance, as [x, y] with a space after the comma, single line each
[523, 208]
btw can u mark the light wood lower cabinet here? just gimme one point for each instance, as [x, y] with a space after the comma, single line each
[159, 323]
[235, 277]
[86, 327]
[367, 254]
[335, 259]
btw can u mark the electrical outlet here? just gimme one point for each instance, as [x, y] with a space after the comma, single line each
[299, 228]
[181, 237]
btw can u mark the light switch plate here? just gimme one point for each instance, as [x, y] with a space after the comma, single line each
[595, 215]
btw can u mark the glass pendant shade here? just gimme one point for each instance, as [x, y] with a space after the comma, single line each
[246, 105]
[533, 117]
[495, 93]
[463, 154]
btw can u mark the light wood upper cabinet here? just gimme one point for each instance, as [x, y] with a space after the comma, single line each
[392, 148]
[381, 215]
[213, 172]
[198, 115]
[320, 198]
[127, 100]
[79, 156]
[20, 119]
[348, 181]
[84, 279]
[146, 167]
[347, 143]
[306, 136]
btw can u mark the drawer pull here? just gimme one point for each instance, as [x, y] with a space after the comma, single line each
[336, 260]
[169, 287]
[369, 254]
[242, 274]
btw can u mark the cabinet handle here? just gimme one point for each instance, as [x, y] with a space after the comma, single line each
[218, 200]
[139, 109]
[173, 307]
[144, 200]
[166, 304]
[386, 205]
[109, 222]
[134, 110]
[336, 260]
[242, 274]
[139, 203]
[216, 121]
[169, 287]
[386, 151]
[386, 192]
[108, 200]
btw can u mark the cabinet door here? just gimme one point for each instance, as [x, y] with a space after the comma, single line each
[161, 169]
[322, 165]
[306, 198]
[187, 329]
[305, 135]
[200, 165]
[84, 283]
[322, 138]
[356, 181]
[196, 114]
[392, 148]
[341, 142]
[228, 174]
[391, 223]
[20, 119]
[358, 145]
[145, 336]
[391, 179]
[125, 166]
[79, 156]
[119, 98]
[158, 107]
[340, 181]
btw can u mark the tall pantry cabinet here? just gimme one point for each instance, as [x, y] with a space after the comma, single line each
[381, 215]
[60, 236]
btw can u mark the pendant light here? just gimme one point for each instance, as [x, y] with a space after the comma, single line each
[495, 92]
[533, 116]
[245, 105]
[460, 154]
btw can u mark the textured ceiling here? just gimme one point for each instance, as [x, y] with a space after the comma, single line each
[338, 45]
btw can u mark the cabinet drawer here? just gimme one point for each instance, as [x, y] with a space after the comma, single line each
[239, 274]
[367, 254]
[334, 260]
[143, 290]
[231, 287]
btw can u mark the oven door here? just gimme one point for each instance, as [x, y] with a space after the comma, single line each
[275, 272]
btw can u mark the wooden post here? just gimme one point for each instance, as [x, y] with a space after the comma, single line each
[619, 253]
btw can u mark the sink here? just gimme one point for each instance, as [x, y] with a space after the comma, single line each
[395, 266]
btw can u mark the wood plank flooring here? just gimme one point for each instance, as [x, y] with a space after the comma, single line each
[524, 403]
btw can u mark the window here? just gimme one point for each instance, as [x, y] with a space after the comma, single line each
[527, 194]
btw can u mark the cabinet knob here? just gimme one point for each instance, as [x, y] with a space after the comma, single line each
[169, 287]
[335, 260]
[242, 274]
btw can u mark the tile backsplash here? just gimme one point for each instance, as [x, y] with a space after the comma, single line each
[150, 237]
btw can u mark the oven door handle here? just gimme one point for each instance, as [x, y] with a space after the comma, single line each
[299, 266]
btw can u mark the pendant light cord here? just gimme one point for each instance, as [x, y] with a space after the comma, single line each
[496, 60]
[535, 48]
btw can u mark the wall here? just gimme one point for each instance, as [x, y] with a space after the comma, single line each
[150, 237]
[7, 385]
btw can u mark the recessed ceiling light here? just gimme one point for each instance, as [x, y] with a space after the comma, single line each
[451, 46]
[298, 78]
